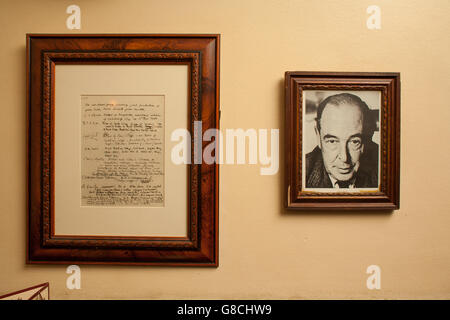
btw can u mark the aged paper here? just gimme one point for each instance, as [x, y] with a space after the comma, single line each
[122, 150]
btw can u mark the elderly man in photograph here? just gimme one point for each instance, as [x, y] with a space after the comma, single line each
[345, 157]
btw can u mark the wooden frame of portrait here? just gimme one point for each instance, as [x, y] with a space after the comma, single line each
[199, 54]
[298, 195]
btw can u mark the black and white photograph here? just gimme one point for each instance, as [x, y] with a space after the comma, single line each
[341, 139]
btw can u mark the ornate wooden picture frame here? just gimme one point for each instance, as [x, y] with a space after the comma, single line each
[342, 140]
[47, 55]
[37, 292]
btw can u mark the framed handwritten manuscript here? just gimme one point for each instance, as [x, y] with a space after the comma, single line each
[107, 115]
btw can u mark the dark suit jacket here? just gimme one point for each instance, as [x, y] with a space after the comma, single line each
[366, 177]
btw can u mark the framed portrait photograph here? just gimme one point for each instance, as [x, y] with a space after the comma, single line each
[107, 115]
[342, 140]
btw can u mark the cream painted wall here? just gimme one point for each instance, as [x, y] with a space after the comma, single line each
[265, 251]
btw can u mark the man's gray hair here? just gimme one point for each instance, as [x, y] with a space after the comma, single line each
[348, 98]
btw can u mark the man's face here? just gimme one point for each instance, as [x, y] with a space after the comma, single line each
[340, 140]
